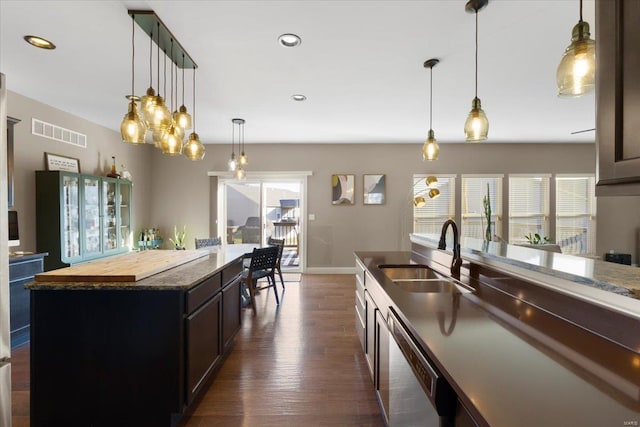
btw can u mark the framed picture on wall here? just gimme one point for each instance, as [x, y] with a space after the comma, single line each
[373, 187]
[56, 162]
[343, 189]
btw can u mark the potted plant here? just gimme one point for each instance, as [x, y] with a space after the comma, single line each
[178, 237]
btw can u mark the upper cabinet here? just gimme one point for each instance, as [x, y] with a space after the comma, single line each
[81, 217]
[618, 97]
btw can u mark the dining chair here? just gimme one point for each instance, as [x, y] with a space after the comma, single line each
[263, 263]
[211, 241]
[280, 244]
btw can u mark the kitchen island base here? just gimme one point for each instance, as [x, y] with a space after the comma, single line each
[131, 354]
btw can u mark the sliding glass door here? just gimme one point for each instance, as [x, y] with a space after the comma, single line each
[259, 208]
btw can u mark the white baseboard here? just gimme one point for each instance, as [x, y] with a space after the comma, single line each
[330, 270]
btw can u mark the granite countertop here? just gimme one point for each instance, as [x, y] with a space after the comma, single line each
[511, 369]
[181, 277]
[615, 278]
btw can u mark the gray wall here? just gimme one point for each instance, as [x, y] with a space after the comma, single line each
[102, 143]
[182, 192]
[174, 190]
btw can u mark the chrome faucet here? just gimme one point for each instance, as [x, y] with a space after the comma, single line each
[456, 261]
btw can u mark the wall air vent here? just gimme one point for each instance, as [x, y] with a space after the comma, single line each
[57, 133]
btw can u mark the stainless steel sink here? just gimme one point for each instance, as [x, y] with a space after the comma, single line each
[432, 285]
[409, 271]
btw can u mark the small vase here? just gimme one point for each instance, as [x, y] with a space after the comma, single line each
[180, 248]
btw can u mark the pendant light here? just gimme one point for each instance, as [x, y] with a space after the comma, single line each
[193, 148]
[233, 163]
[430, 149]
[161, 114]
[133, 129]
[181, 117]
[171, 142]
[243, 160]
[476, 127]
[576, 72]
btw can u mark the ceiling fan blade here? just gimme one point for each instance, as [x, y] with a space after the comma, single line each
[582, 131]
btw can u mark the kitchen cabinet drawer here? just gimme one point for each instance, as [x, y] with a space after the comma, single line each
[231, 272]
[203, 345]
[203, 291]
[360, 329]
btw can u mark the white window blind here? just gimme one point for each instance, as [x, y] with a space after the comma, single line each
[429, 218]
[474, 189]
[528, 207]
[576, 214]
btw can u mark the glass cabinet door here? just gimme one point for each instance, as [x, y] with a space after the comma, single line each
[125, 215]
[109, 216]
[70, 216]
[91, 216]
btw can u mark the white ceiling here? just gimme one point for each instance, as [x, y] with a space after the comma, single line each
[360, 65]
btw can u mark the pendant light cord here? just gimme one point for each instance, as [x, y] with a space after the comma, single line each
[151, 59]
[476, 53]
[431, 99]
[193, 113]
[580, 10]
[183, 79]
[242, 137]
[171, 74]
[133, 55]
[233, 135]
[158, 55]
[164, 74]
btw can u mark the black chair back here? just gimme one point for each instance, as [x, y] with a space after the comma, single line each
[212, 241]
[264, 258]
[279, 243]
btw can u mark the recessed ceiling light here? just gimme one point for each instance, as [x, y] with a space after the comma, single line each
[298, 97]
[289, 40]
[39, 42]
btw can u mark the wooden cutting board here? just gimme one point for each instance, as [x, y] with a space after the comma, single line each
[130, 267]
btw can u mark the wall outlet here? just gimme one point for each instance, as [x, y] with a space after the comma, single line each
[312, 217]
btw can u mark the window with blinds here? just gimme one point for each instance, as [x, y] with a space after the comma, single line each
[528, 207]
[429, 218]
[474, 189]
[576, 214]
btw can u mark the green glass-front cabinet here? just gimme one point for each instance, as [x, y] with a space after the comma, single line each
[81, 217]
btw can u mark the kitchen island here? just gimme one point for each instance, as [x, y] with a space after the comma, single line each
[107, 353]
[522, 348]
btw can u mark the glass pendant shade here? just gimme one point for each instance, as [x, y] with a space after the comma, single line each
[476, 128]
[171, 144]
[240, 174]
[576, 73]
[430, 149]
[232, 163]
[193, 148]
[161, 115]
[243, 159]
[133, 129]
[148, 107]
[182, 119]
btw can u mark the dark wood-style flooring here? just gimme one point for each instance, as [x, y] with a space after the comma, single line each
[292, 365]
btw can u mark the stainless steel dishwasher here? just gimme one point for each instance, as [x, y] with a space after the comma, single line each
[411, 390]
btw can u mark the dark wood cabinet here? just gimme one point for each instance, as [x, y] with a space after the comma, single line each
[22, 269]
[618, 97]
[203, 345]
[135, 355]
[231, 311]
